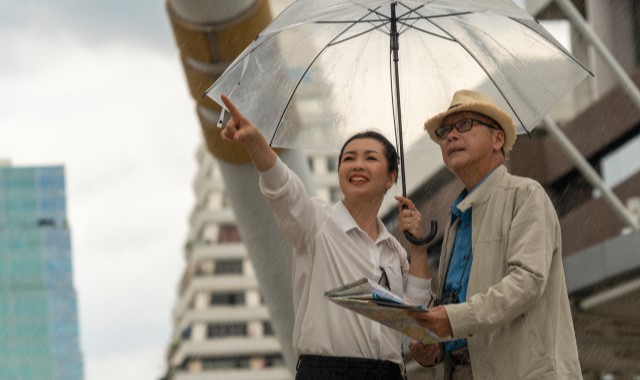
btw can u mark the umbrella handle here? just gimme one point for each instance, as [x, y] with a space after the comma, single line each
[432, 234]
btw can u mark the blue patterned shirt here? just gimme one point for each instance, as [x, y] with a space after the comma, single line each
[461, 258]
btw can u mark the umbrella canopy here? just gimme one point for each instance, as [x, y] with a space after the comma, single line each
[323, 70]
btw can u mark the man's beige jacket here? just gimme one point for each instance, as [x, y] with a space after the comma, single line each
[516, 318]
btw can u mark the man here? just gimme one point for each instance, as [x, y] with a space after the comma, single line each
[501, 288]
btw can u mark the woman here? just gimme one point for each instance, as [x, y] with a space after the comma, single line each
[334, 245]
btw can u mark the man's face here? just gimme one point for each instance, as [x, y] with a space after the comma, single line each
[473, 149]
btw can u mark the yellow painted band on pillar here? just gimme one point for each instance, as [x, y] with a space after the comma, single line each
[221, 41]
[206, 49]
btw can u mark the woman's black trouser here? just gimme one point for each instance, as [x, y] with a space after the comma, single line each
[311, 367]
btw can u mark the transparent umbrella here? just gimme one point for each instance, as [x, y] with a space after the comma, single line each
[324, 70]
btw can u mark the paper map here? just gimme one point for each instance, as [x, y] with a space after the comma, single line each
[375, 302]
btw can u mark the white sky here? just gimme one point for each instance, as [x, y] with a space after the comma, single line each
[98, 87]
[110, 104]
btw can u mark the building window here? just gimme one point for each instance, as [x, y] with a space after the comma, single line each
[229, 234]
[267, 328]
[332, 164]
[232, 266]
[235, 298]
[335, 194]
[228, 362]
[226, 329]
[45, 222]
[275, 360]
[621, 164]
[186, 333]
[310, 162]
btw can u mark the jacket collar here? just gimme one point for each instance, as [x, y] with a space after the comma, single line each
[481, 193]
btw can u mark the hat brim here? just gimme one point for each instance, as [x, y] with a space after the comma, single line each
[502, 118]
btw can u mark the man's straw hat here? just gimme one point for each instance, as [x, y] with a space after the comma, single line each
[468, 100]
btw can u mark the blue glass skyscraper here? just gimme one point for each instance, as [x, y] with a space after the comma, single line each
[39, 336]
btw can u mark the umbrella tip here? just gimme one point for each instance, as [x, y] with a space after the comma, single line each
[221, 118]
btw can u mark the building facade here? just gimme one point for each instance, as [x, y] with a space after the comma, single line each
[39, 334]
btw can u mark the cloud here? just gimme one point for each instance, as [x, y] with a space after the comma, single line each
[133, 364]
[118, 116]
[94, 22]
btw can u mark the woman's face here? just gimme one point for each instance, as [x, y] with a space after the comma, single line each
[364, 170]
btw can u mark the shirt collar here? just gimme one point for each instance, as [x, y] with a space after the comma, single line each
[347, 223]
[455, 212]
[344, 218]
[480, 192]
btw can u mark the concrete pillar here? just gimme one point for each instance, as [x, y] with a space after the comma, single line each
[612, 21]
[210, 34]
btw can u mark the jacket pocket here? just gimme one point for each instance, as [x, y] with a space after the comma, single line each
[539, 363]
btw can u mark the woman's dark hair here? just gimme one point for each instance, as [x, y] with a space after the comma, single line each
[389, 150]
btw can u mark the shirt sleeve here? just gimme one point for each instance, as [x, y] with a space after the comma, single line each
[529, 252]
[298, 215]
[275, 178]
[418, 290]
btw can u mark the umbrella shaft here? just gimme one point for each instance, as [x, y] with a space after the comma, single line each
[395, 37]
[394, 49]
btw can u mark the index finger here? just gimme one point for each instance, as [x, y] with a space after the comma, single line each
[233, 110]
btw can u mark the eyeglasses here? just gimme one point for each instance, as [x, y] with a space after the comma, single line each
[462, 126]
[384, 280]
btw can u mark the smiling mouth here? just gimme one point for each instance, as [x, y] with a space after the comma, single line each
[357, 179]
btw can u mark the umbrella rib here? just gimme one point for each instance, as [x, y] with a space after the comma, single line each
[561, 48]
[237, 62]
[331, 43]
[382, 19]
[427, 32]
[402, 20]
[437, 16]
[486, 72]
[346, 22]
[409, 11]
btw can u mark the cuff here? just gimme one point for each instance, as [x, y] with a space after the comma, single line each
[418, 290]
[460, 319]
[276, 177]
